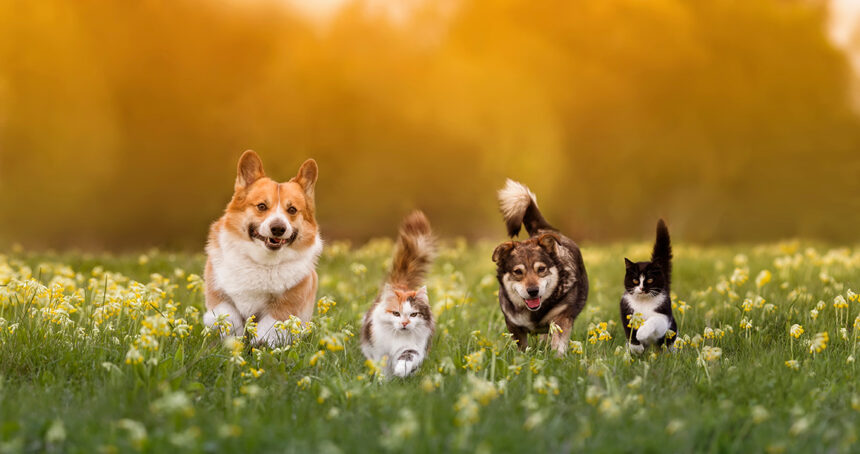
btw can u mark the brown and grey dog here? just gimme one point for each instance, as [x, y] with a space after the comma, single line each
[542, 279]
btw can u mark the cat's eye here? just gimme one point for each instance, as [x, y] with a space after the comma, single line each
[292, 210]
[650, 281]
[414, 314]
[262, 207]
[636, 281]
[395, 313]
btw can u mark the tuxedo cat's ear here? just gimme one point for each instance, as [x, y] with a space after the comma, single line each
[502, 250]
[549, 241]
[627, 262]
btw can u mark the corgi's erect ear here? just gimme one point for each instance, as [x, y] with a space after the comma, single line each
[250, 170]
[307, 177]
[502, 250]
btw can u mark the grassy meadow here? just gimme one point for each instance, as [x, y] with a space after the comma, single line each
[107, 354]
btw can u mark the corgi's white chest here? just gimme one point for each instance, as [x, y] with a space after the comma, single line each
[252, 276]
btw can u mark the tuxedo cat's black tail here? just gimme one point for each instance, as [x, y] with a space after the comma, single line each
[662, 254]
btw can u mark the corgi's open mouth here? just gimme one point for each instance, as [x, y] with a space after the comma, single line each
[533, 303]
[271, 242]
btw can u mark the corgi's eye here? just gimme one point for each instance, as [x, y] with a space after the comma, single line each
[650, 281]
[292, 210]
[635, 281]
[262, 207]
[414, 314]
[395, 313]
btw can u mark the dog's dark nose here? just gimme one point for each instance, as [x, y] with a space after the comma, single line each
[278, 229]
[533, 291]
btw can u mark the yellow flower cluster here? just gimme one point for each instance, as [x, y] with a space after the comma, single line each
[475, 360]
[819, 342]
[796, 331]
[599, 332]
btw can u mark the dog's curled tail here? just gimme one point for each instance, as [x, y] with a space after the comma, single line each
[519, 207]
[413, 252]
[662, 254]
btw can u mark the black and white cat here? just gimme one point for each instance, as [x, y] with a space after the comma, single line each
[647, 293]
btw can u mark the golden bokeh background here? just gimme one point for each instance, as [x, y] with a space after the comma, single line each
[121, 121]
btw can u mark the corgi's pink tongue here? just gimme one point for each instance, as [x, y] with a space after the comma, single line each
[533, 303]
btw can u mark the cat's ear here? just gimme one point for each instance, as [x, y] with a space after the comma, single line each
[502, 251]
[549, 241]
[421, 295]
[627, 262]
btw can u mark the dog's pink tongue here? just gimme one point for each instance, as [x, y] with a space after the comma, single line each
[533, 303]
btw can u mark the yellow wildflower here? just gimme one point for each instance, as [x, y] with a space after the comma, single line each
[819, 343]
[796, 331]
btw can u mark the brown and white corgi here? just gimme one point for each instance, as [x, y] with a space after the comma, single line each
[262, 253]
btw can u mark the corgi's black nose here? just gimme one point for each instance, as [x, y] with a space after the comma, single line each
[278, 229]
[533, 291]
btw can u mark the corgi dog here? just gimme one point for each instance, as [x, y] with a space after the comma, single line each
[399, 324]
[542, 280]
[262, 253]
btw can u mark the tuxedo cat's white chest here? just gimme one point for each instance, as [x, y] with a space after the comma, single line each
[645, 303]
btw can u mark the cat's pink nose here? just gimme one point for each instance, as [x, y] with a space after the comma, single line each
[405, 323]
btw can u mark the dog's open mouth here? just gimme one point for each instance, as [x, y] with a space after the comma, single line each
[533, 303]
[271, 242]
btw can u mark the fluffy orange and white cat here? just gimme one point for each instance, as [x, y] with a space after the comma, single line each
[399, 324]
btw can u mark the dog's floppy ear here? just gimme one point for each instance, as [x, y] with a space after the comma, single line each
[307, 177]
[502, 250]
[250, 169]
[549, 241]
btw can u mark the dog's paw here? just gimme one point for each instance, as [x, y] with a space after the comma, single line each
[271, 339]
[635, 349]
[222, 319]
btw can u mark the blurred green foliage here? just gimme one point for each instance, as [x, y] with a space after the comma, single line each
[121, 122]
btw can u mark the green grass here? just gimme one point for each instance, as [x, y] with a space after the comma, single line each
[66, 386]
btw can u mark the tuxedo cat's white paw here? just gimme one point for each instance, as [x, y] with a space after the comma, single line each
[635, 349]
[652, 330]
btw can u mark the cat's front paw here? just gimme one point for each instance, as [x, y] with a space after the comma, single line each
[652, 330]
[406, 363]
[635, 349]
[645, 333]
